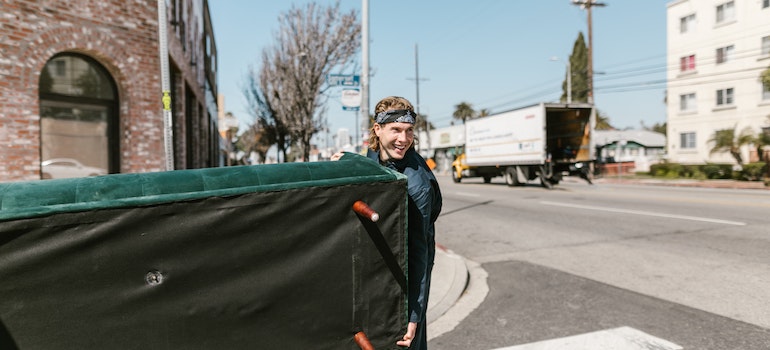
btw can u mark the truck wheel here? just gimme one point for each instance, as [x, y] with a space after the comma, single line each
[455, 177]
[510, 177]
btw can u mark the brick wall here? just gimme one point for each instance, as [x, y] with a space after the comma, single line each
[122, 36]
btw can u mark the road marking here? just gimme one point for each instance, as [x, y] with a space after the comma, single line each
[466, 194]
[622, 338]
[647, 213]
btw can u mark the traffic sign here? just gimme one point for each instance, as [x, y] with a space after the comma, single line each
[343, 80]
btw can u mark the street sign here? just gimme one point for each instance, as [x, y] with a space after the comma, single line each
[343, 80]
[351, 98]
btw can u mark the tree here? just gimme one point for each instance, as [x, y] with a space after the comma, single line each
[660, 127]
[463, 111]
[258, 139]
[765, 77]
[603, 121]
[726, 140]
[422, 123]
[310, 43]
[578, 62]
[260, 108]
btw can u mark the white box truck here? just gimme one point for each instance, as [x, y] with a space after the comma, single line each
[545, 142]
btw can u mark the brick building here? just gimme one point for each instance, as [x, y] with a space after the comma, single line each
[81, 80]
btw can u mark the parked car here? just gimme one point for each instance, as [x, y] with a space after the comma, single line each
[60, 168]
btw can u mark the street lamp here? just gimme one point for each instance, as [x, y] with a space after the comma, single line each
[569, 79]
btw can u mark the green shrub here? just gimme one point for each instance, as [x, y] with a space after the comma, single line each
[690, 171]
[717, 171]
[752, 171]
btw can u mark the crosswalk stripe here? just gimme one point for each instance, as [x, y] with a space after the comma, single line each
[622, 338]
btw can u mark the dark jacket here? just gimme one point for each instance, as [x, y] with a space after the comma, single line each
[424, 207]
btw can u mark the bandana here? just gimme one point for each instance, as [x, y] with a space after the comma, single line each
[396, 115]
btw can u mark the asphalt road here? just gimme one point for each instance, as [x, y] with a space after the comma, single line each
[688, 265]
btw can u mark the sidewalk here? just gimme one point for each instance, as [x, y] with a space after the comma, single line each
[732, 184]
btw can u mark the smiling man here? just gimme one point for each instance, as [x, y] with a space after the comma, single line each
[391, 143]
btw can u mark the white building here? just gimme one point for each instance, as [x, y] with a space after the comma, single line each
[717, 50]
[443, 145]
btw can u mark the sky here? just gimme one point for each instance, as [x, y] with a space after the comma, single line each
[493, 54]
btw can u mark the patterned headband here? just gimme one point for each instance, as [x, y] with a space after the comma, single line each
[395, 115]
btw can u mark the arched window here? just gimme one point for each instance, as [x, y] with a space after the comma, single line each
[78, 118]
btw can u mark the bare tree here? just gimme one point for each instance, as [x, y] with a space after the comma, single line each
[310, 43]
[267, 128]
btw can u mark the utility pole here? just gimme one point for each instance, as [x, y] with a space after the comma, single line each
[364, 110]
[165, 82]
[587, 5]
[417, 86]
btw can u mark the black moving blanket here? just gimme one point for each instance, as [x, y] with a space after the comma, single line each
[258, 257]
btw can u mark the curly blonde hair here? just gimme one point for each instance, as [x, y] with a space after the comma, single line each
[386, 104]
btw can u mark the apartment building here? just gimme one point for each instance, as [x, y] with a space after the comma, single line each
[716, 52]
[80, 88]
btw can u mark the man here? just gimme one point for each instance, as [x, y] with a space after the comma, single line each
[391, 143]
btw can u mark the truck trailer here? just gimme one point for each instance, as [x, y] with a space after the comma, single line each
[542, 142]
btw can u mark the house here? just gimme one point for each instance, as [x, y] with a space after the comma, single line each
[642, 147]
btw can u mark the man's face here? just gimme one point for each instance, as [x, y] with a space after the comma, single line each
[395, 139]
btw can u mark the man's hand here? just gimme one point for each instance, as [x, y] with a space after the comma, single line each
[337, 155]
[411, 329]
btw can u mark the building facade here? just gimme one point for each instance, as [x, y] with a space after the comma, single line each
[716, 52]
[640, 147]
[80, 88]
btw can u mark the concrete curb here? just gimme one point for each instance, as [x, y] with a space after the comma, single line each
[449, 279]
[454, 309]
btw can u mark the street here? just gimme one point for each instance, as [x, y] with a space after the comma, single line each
[686, 265]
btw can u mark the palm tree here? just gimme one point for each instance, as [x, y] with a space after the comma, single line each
[725, 140]
[765, 77]
[463, 112]
[603, 121]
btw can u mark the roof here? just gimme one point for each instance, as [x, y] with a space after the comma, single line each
[645, 138]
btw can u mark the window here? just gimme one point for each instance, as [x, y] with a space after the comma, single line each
[687, 23]
[725, 54]
[766, 45]
[765, 4]
[725, 97]
[687, 102]
[687, 140]
[687, 63]
[78, 118]
[766, 91]
[725, 11]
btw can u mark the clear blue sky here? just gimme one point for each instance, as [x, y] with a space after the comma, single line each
[493, 54]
